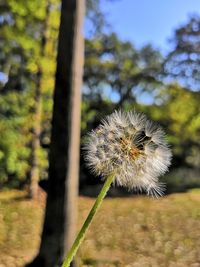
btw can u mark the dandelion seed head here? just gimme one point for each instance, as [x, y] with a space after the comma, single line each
[133, 148]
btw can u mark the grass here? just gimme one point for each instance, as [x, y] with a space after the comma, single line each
[126, 232]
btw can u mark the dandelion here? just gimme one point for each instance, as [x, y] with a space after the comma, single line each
[131, 147]
[129, 150]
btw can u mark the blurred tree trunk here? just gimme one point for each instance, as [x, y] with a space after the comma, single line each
[36, 131]
[61, 209]
[35, 142]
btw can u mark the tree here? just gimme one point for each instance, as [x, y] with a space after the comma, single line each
[182, 106]
[118, 67]
[14, 150]
[60, 218]
[27, 57]
[37, 110]
[183, 62]
[95, 17]
[178, 111]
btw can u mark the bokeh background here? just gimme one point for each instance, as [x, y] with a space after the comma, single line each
[142, 55]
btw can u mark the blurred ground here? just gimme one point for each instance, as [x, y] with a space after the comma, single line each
[127, 232]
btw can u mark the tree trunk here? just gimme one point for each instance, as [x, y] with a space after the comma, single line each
[35, 144]
[61, 209]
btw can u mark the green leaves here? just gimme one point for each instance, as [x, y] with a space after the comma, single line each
[180, 114]
[14, 137]
[22, 54]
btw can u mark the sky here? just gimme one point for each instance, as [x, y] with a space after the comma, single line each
[144, 21]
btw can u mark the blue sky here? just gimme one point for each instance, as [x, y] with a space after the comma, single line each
[143, 21]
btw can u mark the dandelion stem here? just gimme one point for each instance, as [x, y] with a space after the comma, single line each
[87, 222]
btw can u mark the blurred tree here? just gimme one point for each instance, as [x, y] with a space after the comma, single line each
[29, 63]
[96, 17]
[115, 74]
[60, 218]
[14, 152]
[182, 107]
[27, 58]
[37, 110]
[179, 112]
[13, 116]
[116, 69]
[183, 62]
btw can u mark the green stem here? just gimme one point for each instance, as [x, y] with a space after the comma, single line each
[87, 222]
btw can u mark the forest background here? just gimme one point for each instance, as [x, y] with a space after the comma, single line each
[117, 74]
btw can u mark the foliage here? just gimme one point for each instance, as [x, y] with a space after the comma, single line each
[179, 113]
[95, 18]
[117, 67]
[183, 62]
[117, 75]
[15, 137]
[21, 59]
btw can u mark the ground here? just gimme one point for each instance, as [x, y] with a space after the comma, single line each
[126, 232]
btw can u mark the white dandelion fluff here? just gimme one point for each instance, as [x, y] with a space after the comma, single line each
[132, 148]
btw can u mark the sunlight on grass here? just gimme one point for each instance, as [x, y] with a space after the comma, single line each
[127, 232]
